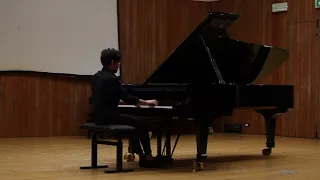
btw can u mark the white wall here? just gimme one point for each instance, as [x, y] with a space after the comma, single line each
[58, 36]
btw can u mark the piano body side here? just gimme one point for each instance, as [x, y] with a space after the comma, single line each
[265, 96]
[188, 76]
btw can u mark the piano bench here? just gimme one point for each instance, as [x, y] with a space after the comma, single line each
[117, 132]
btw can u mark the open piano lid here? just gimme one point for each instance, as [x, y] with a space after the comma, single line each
[209, 46]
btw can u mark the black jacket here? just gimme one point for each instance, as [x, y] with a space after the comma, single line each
[106, 94]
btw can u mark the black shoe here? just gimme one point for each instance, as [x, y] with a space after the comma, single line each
[149, 163]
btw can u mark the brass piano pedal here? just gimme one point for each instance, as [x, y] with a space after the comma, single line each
[197, 166]
[210, 129]
[129, 157]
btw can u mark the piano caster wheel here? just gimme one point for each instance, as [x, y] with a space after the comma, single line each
[266, 151]
[197, 166]
[129, 157]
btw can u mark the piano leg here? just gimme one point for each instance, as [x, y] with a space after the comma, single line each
[270, 123]
[202, 141]
[270, 134]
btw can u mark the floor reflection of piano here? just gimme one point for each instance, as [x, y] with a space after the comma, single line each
[207, 76]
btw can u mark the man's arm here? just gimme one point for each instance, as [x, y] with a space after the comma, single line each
[127, 98]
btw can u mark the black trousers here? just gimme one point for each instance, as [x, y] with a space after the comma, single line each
[141, 134]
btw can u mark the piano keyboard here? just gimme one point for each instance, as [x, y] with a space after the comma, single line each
[144, 106]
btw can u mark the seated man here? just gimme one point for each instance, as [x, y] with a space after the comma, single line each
[107, 93]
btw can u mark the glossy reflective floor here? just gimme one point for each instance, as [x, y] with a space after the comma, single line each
[230, 157]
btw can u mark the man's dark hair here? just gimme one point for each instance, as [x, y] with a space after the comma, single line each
[107, 55]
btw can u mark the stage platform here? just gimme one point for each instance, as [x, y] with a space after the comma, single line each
[230, 157]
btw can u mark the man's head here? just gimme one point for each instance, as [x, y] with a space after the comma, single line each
[111, 59]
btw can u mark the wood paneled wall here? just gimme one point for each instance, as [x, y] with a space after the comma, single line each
[36, 105]
[32, 105]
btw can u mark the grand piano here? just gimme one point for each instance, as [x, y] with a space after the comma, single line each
[209, 75]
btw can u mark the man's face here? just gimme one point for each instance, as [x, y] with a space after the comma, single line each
[114, 66]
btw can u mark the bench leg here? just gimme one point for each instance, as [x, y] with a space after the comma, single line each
[119, 167]
[94, 154]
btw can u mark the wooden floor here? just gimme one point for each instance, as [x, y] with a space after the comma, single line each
[231, 157]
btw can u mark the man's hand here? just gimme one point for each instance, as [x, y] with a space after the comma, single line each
[152, 102]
